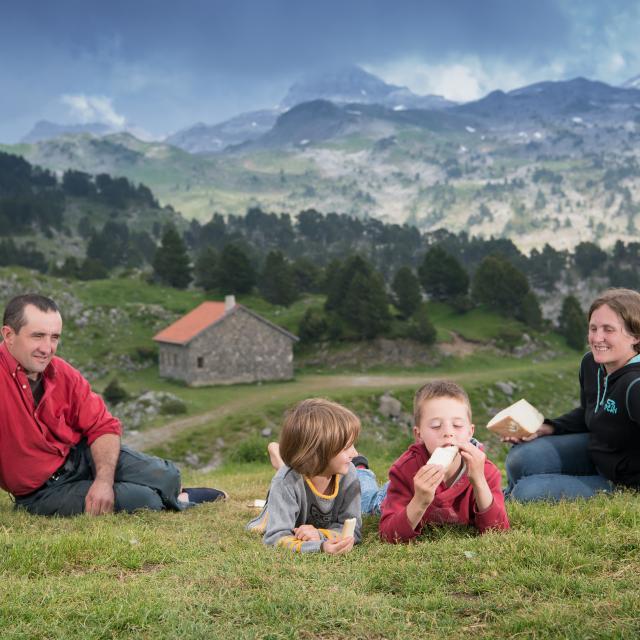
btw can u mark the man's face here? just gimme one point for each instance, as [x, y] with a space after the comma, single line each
[36, 342]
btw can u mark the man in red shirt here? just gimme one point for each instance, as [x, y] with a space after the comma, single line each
[60, 451]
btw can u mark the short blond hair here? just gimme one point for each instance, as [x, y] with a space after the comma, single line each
[626, 303]
[314, 431]
[438, 389]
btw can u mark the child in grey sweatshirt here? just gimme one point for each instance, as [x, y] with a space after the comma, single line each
[316, 487]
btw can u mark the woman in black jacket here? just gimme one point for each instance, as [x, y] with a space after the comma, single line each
[597, 445]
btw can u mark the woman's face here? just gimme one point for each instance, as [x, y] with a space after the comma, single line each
[610, 342]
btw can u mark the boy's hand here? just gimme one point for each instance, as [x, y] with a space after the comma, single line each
[425, 483]
[306, 532]
[341, 545]
[474, 458]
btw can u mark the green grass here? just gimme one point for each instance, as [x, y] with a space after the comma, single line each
[563, 571]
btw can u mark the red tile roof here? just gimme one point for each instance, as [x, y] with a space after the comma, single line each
[189, 326]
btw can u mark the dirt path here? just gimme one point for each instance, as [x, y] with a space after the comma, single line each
[302, 387]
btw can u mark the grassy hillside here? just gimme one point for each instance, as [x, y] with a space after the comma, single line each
[568, 570]
[550, 184]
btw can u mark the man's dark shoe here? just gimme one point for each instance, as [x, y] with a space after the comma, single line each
[198, 495]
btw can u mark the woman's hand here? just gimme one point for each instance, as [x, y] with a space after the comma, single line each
[544, 430]
[306, 532]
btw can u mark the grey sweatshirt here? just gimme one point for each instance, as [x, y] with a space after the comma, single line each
[293, 501]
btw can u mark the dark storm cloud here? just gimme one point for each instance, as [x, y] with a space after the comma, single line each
[283, 35]
[165, 64]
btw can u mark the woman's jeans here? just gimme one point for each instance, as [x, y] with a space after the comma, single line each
[553, 468]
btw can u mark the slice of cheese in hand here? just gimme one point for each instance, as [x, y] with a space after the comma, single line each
[349, 527]
[443, 456]
[519, 420]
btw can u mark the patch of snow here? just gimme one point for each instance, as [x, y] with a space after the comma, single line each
[470, 129]
[399, 107]
[462, 149]
[303, 142]
[537, 135]
[576, 120]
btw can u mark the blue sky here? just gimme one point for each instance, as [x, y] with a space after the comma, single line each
[156, 66]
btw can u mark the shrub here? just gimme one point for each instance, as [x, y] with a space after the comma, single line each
[114, 393]
[173, 407]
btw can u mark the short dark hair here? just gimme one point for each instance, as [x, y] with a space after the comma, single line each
[14, 311]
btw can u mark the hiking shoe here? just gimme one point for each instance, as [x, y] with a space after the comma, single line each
[360, 462]
[198, 495]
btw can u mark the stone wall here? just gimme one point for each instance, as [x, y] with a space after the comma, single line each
[238, 348]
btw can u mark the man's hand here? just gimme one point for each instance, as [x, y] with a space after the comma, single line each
[105, 451]
[100, 498]
[544, 430]
[341, 545]
[306, 532]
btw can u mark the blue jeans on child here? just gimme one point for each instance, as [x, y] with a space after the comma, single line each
[370, 495]
[553, 468]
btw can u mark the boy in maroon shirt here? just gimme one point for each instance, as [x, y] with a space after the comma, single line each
[467, 492]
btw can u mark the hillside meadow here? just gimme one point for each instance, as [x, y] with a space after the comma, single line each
[563, 571]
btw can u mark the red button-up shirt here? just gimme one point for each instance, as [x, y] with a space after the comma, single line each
[35, 442]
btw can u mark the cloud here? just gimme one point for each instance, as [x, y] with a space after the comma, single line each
[85, 108]
[463, 79]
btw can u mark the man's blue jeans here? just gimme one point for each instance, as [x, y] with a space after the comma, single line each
[553, 468]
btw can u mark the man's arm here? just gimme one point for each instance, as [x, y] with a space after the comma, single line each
[105, 451]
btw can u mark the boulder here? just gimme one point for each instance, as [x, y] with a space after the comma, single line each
[389, 406]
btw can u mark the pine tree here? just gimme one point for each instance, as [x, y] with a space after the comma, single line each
[277, 280]
[573, 323]
[500, 286]
[365, 307]
[420, 326]
[530, 312]
[356, 295]
[406, 289]
[171, 264]
[236, 274]
[442, 276]
[207, 269]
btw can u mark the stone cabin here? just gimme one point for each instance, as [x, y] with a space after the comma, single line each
[224, 343]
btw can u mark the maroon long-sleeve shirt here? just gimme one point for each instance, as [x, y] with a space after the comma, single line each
[451, 505]
[35, 442]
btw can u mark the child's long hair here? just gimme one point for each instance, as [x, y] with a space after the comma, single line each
[314, 431]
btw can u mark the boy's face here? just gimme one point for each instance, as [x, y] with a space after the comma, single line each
[443, 421]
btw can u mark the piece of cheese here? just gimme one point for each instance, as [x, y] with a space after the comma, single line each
[519, 420]
[349, 527]
[443, 456]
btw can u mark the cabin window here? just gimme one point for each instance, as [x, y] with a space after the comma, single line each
[200, 362]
